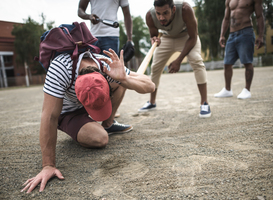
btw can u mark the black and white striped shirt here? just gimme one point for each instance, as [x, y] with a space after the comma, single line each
[58, 80]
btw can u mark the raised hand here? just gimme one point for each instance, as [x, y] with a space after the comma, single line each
[117, 70]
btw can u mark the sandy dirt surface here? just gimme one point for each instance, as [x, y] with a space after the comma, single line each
[170, 154]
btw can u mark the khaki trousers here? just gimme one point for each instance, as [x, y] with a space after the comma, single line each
[167, 48]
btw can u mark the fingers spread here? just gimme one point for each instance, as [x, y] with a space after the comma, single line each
[30, 186]
[59, 174]
[105, 60]
[26, 187]
[107, 53]
[112, 54]
[33, 185]
[43, 184]
[29, 180]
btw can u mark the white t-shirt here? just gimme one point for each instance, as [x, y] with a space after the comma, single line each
[106, 9]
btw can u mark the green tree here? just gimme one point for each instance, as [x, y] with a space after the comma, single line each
[268, 21]
[47, 25]
[27, 40]
[209, 14]
[268, 11]
[140, 36]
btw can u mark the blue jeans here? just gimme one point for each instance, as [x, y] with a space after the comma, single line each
[104, 43]
[240, 44]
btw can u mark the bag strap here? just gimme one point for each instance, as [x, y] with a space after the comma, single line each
[74, 56]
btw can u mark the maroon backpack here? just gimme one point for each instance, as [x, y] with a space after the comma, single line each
[73, 39]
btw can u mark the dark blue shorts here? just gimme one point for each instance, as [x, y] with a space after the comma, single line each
[240, 44]
[104, 43]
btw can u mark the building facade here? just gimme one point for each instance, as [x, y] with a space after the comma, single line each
[11, 72]
[8, 67]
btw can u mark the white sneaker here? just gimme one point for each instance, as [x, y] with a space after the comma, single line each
[147, 107]
[245, 94]
[205, 111]
[224, 93]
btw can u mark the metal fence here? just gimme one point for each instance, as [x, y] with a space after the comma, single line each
[21, 80]
[212, 65]
[260, 61]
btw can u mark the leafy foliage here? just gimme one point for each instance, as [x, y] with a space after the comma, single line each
[268, 15]
[140, 35]
[268, 11]
[27, 40]
[210, 14]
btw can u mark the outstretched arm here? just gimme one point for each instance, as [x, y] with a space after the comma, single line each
[52, 107]
[138, 82]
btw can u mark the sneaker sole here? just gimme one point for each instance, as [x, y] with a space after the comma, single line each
[205, 116]
[147, 110]
[120, 132]
[243, 98]
[223, 96]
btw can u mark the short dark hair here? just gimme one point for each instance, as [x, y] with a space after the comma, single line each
[88, 69]
[161, 3]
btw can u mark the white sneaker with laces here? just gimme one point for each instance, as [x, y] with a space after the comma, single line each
[224, 93]
[245, 94]
[147, 107]
[205, 111]
[118, 128]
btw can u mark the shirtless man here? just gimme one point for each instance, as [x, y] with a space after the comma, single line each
[240, 43]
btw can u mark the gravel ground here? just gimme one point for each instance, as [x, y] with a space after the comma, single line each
[170, 154]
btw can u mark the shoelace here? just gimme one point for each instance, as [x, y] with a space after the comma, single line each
[115, 122]
[146, 104]
[205, 108]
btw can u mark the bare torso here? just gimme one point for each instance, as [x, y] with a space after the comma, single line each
[240, 14]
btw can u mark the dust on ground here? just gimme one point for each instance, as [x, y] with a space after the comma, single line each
[170, 154]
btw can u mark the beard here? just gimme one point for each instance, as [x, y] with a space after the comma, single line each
[167, 22]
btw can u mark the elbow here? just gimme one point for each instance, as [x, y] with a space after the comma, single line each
[149, 88]
[79, 13]
[194, 38]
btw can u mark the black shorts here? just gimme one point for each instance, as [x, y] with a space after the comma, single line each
[71, 122]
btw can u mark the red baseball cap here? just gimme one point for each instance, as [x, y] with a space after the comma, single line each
[93, 92]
